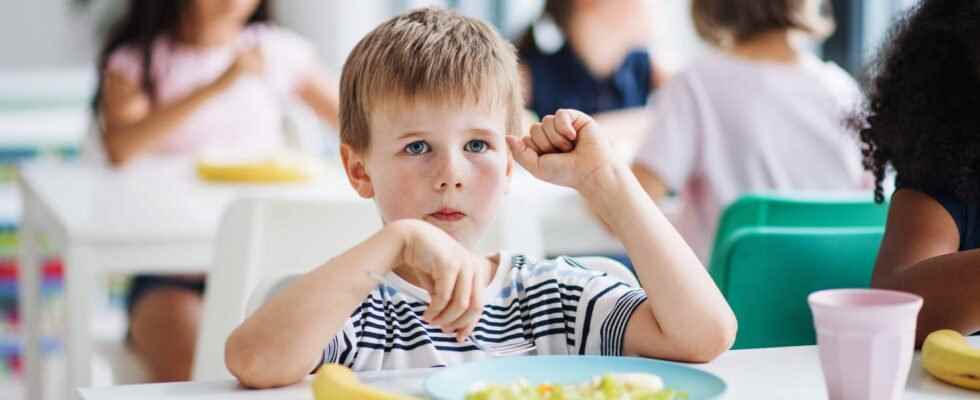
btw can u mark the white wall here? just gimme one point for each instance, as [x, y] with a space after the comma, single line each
[48, 32]
[334, 26]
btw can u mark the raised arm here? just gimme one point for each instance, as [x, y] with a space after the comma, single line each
[686, 316]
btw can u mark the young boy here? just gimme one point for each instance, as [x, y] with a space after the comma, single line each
[429, 100]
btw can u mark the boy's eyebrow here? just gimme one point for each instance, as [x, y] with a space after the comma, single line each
[408, 134]
[482, 131]
[479, 131]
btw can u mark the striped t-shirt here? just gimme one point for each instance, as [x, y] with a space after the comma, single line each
[562, 306]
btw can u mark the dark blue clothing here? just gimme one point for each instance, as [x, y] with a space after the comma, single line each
[561, 80]
[965, 214]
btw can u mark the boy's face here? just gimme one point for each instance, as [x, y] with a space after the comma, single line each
[446, 164]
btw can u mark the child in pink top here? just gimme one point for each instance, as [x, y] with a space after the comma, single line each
[183, 77]
[208, 75]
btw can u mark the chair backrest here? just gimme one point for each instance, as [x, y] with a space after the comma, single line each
[771, 271]
[609, 266]
[800, 210]
[261, 243]
[262, 240]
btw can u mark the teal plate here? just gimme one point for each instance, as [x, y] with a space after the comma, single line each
[453, 383]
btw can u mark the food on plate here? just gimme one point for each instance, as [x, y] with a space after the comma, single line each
[626, 386]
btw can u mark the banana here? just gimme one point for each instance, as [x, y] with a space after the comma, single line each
[947, 356]
[280, 168]
[336, 382]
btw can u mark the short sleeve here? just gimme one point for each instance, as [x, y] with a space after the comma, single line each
[342, 349]
[603, 308]
[289, 57]
[126, 62]
[958, 211]
[670, 149]
[844, 88]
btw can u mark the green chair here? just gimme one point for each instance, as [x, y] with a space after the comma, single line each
[824, 211]
[769, 272]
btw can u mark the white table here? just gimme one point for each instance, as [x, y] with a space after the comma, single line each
[137, 221]
[154, 219]
[775, 373]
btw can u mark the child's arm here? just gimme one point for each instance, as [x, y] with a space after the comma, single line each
[283, 341]
[687, 318]
[320, 92]
[920, 254]
[131, 124]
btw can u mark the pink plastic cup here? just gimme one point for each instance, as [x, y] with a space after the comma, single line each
[866, 339]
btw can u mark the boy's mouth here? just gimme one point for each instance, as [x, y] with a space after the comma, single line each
[448, 214]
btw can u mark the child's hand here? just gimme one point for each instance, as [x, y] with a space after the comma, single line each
[454, 277]
[563, 149]
[248, 61]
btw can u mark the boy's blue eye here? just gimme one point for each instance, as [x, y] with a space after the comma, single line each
[476, 146]
[418, 147]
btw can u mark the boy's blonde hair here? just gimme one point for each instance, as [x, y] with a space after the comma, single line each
[726, 22]
[427, 53]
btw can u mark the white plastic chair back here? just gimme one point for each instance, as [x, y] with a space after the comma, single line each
[263, 240]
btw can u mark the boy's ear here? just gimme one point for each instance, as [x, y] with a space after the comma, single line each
[356, 171]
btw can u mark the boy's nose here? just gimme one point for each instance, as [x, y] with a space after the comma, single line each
[450, 174]
[444, 184]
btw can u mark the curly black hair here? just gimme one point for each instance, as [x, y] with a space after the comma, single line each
[922, 115]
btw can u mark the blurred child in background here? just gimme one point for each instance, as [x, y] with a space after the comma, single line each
[756, 113]
[181, 77]
[602, 68]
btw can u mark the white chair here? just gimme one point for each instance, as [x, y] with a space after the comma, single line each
[263, 242]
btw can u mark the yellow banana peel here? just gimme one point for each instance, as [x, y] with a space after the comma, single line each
[336, 382]
[950, 358]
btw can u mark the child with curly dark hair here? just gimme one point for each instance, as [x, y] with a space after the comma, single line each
[923, 119]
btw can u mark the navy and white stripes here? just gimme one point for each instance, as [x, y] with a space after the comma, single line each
[614, 328]
[562, 307]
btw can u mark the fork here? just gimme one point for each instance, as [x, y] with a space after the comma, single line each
[494, 349]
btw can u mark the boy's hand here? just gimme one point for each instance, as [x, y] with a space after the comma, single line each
[564, 149]
[454, 277]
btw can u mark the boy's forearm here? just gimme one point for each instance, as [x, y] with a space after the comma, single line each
[685, 301]
[280, 343]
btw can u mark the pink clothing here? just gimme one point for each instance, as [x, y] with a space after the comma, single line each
[245, 118]
[727, 127]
